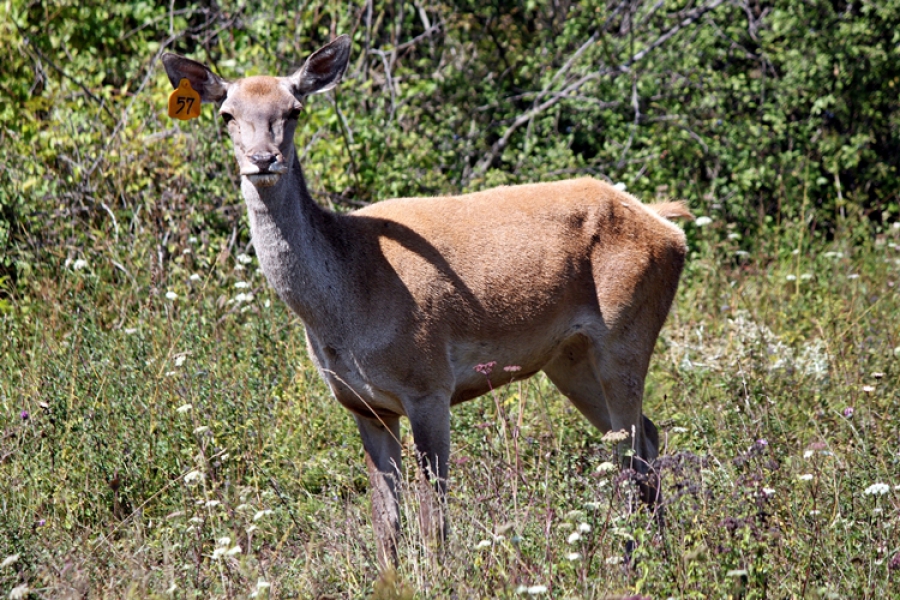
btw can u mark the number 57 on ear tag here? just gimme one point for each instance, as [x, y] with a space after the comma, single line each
[184, 102]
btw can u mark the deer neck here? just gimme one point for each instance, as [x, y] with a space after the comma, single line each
[299, 247]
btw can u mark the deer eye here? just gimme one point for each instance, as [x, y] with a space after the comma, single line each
[227, 117]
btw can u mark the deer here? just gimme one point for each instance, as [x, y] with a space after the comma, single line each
[405, 300]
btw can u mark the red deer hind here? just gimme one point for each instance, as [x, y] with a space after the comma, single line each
[403, 299]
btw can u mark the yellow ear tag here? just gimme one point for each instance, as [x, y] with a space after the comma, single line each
[184, 102]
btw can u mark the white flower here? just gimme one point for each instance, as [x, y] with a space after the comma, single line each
[768, 492]
[262, 513]
[241, 285]
[615, 436]
[614, 560]
[131, 331]
[9, 560]
[193, 477]
[736, 573]
[808, 454]
[877, 488]
[584, 528]
[536, 590]
[483, 544]
[171, 295]
[184, 408]
[868, 388]
[853, 276]
[219, 553]
[833, 255]
[702, 221]
[606, 467]
[179, 360]
[79, 264]
[223, 541]
[573, 556]
[679, 430]
[244, 259]
[573, 537]
[791, 278]
[212, 503]
[242, 297]
[233, 550]
[195, 277]
[200, 430]
[806, 477]
[19, 592]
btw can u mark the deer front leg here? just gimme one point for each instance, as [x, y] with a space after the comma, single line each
[429, 420]
[381, 440]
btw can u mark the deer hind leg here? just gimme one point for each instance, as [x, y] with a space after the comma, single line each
[607, 388]
[381, 440]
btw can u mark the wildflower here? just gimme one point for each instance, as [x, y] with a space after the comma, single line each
[242, 297]
[171, 295]
[584, 528]
[244, 259]
[615, 436]
[195, 277]
[201, 430]
[605, 467]
[233, 551]
[853, 276]
[573, 556]
[24, 415]
[878, 375]
[833, 255]
[679, 430]
[131, 331]
[179, 360]
[736, 573]
[19, 592]
[262, 513]
[806, 477]
[184, 408]
[9, 560]
[768, 492]
[848, 412]
[536, 590]
[868, 388]
[877, 488]
[483, 544]
[573, 537]
[702, 221]
[241, 285]
[808, 454]
[486, 368]
[762, 442]
[791, 278]
[212, 503]
[614, 560]
[512, 368]
[193, 477]
[79, 264]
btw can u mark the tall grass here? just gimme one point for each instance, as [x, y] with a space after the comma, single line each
[164, 435]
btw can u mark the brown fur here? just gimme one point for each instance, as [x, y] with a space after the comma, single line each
[402, 300]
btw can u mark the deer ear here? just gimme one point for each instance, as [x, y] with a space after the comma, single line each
[210, 86]
[323, 70]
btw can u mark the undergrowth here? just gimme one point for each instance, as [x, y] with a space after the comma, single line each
[165, 436]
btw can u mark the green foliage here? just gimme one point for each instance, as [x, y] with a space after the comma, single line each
[164, 432]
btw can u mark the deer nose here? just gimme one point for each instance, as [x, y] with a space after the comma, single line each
[263, 160]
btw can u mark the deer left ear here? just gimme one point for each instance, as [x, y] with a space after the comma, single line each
[210, 86]
[323, 70]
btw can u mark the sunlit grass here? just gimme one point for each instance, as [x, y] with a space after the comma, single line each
[165, 436]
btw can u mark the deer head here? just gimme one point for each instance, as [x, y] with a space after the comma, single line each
[261, 112]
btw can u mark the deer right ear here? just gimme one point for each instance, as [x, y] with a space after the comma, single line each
[323, 70]
[210, 86]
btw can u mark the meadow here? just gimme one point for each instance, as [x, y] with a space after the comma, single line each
[164, 434]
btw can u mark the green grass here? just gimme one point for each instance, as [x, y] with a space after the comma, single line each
[159, 447]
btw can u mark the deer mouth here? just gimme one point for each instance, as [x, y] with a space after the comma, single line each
[267, 179]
